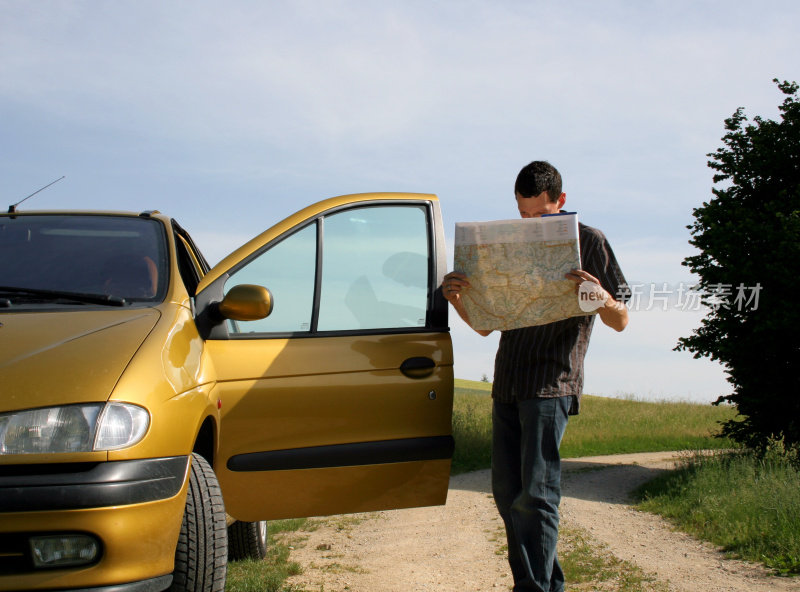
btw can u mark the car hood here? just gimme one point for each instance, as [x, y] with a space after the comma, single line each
[57, 358]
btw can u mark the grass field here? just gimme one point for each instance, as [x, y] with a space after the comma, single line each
[270, 574]
[604, 426]
[747, 504]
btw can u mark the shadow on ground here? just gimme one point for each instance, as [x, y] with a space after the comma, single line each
[601, 479]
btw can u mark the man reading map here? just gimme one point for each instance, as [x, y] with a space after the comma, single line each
[538, 376]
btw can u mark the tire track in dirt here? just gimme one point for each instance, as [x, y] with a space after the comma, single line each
[454, 548]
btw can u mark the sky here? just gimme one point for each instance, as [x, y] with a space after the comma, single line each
[230, 116]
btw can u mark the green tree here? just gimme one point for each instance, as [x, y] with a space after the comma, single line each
[748, 236]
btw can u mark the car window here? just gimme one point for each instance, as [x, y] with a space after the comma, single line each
[189, 267]
[119, 256]
[373, 273]
[374, 269]
[288, 270]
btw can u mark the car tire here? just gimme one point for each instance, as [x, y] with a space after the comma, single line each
[247, 540]
[202, 552]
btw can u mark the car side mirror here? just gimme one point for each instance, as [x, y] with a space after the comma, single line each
[246, 302]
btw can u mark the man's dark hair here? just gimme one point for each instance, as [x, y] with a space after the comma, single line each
[536, 177]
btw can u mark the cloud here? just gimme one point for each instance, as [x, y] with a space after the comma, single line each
[368, 72]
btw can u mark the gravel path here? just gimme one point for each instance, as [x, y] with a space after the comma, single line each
[455, 548]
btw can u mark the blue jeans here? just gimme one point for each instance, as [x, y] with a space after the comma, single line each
[526, 483]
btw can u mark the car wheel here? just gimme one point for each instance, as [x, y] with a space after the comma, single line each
[247, 540]
[201, 555]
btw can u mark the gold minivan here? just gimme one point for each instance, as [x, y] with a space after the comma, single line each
[154, 413]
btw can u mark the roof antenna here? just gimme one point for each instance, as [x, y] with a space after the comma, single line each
[13, 208]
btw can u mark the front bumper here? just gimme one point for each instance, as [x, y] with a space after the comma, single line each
[149, 585]
[133, 508]
[36, 488]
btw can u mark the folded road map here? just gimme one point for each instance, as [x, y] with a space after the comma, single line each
[516, 270]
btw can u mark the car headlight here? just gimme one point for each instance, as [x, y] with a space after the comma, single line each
[72, 428]
[121, 425]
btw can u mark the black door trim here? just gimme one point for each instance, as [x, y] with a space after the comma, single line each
[346, 455]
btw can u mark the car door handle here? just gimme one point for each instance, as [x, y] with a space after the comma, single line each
[417, 367]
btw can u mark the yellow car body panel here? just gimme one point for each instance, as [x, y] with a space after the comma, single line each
[293, 424]
[321, 492]
[337, 407]
[138, 543]
[78, 359]
[285, 404]
[171, 376]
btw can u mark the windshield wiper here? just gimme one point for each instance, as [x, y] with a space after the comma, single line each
[63, 295]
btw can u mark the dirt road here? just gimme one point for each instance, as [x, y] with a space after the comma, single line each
[457, 547]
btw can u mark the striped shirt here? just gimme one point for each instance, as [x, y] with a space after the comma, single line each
[547, 360]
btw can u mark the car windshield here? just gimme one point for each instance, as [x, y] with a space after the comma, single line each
[82, 259]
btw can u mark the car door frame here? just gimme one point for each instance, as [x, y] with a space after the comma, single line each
[210, 290]
[432, 451]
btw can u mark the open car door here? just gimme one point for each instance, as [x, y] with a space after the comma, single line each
[340, 400]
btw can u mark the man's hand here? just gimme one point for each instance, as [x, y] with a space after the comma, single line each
[452, 285]
[613, 314]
